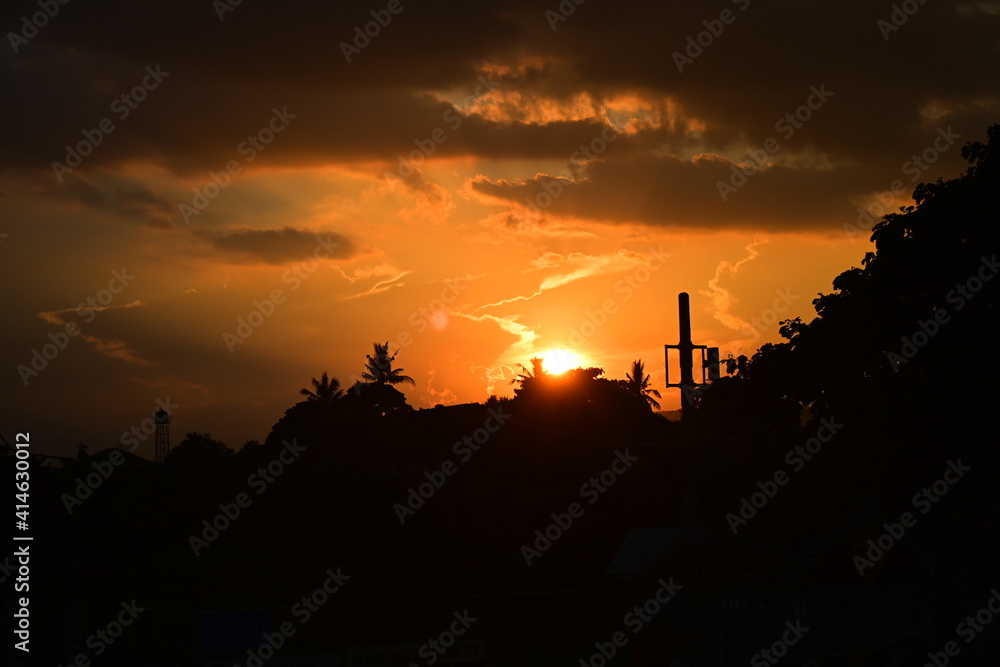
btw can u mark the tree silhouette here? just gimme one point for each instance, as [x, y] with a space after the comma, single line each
[580, 402]
[201, 455]
[376, 400]
[859, 352]
[325, 390]
[638, 385]
[379, 370]
[537, 371]
[738, 365]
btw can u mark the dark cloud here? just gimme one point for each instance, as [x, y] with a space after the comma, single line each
[671, 192]
[226, 78]
[127, 199]
[280, 246]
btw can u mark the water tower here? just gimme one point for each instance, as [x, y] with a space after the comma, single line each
[162, 420]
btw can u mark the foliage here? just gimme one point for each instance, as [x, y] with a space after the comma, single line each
[537, 371]
[851, 355]
[637, 384]
[376, 400]
[324, 390]
[201, 455]
[379, 370]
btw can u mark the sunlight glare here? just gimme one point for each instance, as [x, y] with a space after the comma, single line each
[559, 360]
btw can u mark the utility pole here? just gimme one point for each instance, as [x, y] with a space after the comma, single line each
[685, 348]
[709, 371]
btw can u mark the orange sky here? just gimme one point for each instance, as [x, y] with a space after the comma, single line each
[504, 190]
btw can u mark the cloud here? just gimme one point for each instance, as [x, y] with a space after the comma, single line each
[673, 192]
[59, 317]
[722, 297]
[376, 270]
[124, 197]
[543, 74]
[582, 266]
[278, 246]
[443, 396]
[420, 87]
[431, 202]
[380, 286]
[104, 343]
[570, 268]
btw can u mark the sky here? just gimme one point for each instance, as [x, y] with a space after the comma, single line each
[203, 205]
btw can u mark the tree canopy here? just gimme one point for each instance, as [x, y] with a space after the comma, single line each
[898, 333]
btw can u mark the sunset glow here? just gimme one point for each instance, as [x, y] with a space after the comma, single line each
[500, 192]
[366, 334]
[560, 360]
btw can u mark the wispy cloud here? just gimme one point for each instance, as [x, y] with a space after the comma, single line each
[57, 317]
[379, 287]
[109, 347]
[722, 298]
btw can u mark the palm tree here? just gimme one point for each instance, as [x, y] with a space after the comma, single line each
[537, 371]
[638, 385]
[324, 390]
[379, 368]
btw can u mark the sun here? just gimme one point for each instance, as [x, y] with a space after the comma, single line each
[559, 360]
